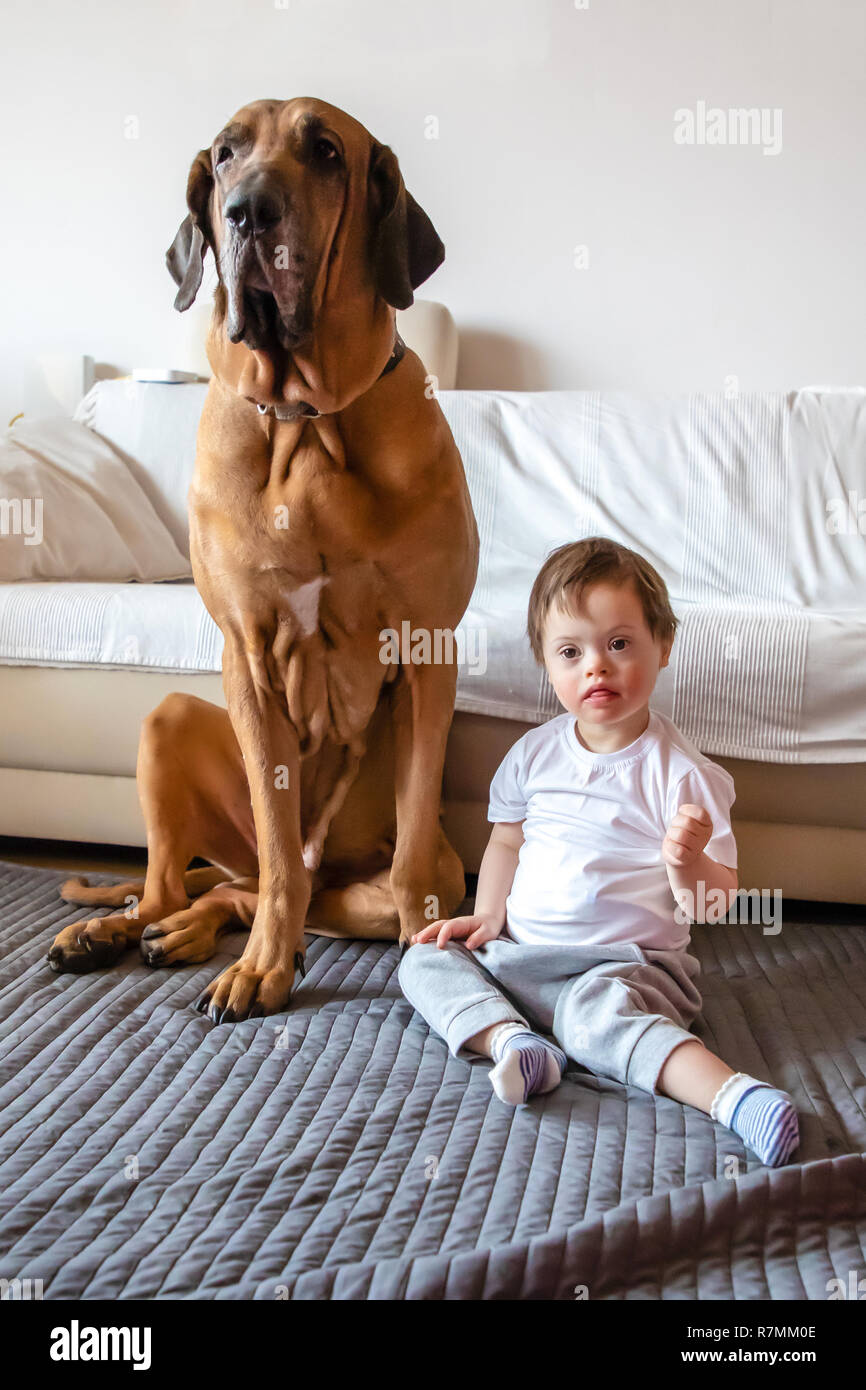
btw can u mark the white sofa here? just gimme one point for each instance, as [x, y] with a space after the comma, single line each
[727, 498]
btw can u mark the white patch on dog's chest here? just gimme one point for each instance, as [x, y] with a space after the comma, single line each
[304, 603]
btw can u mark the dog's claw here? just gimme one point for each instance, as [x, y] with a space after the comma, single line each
[299, 964]
[201, 1003]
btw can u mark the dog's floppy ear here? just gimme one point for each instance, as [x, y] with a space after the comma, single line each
[405, 247]
[185, 256]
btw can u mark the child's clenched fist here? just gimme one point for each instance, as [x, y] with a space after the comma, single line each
[688, 833]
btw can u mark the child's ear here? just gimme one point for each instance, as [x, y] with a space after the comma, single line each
[666, 651]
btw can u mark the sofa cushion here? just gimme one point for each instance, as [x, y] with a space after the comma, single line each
[156, 627]
[153, 427]
[71, 509]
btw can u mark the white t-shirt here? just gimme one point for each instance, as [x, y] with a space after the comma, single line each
[590, 869]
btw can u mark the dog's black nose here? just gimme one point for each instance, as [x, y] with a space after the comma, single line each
[253, 208]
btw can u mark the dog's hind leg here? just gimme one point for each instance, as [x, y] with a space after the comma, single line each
[367, 909]
[78, 890]
[364, 910]
[195, 797]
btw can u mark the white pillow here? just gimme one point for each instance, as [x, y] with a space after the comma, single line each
[71, 509]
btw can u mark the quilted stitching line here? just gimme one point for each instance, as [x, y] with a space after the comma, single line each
[266, 1057]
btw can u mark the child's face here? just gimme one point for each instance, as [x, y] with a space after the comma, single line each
[606, 644]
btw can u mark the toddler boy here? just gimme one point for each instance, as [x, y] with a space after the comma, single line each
[606, 818]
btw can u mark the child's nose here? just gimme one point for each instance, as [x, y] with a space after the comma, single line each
[595, 665]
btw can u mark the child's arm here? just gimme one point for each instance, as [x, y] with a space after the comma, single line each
[688, 867]
[497, 871]
[495, 878]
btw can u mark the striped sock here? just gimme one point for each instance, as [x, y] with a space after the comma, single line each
[765, 1118]
[526, 1064]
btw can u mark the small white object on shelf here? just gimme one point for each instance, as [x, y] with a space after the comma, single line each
[165, 374]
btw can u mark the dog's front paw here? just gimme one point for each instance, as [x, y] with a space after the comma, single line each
[244, 991]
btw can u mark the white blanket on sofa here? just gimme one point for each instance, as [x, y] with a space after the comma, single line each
[749, 508]
[752, 509]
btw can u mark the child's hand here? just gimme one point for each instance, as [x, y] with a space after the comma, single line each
[476, 930]
[689, 831]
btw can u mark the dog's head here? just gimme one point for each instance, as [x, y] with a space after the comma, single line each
[316, 242]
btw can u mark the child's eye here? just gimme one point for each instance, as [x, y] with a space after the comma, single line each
[624, 641]
[565, 651]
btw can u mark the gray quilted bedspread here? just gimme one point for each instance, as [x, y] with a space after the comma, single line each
[338, 1151]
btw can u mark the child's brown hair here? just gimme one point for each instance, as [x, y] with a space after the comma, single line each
[572, 568]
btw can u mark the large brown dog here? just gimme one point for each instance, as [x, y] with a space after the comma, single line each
[328, 503]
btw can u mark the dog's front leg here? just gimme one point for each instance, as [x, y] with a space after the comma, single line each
[423, 710]
[260, 981]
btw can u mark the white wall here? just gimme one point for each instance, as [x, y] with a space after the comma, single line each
[556, 129]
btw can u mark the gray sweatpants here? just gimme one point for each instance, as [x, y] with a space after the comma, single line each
[616, 1010]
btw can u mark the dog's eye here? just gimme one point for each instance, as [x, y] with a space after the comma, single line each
[326, 151]
[223, 154]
